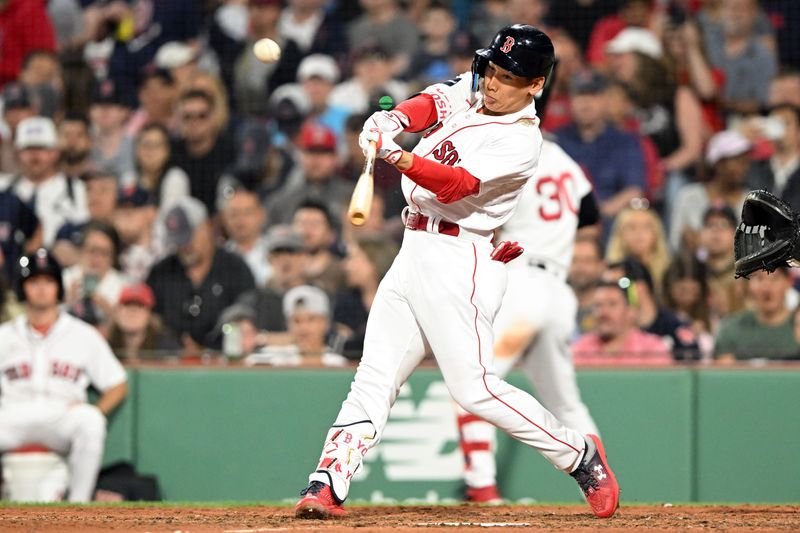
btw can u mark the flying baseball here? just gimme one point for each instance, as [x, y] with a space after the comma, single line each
[267, 50]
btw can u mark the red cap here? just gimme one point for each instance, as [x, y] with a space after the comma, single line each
[317, 138]
[138, 293]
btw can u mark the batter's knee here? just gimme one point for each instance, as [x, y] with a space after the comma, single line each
[91, 423]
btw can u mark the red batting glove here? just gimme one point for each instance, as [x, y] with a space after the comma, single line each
[507, 251]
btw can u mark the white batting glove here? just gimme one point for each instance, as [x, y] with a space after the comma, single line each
[386, 149]
[389, 123]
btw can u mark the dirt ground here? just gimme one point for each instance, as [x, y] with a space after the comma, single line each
[254, 519]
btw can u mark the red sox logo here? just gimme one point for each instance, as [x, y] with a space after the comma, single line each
[447, 154]
[507, 45]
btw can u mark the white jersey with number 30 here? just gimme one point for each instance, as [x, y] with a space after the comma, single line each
[546, 217]
[500, 151]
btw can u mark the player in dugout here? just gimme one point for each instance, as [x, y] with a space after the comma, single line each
[462, 182]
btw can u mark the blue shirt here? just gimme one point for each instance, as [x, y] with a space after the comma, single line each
[18, 223]
[613, 161]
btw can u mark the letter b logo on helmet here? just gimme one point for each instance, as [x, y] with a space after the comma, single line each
[521, 49]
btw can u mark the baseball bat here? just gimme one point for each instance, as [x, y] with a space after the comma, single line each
[361, 201]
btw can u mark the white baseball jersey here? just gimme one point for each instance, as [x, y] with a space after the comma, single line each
[57, 367]
[546, 218]
[488, 147]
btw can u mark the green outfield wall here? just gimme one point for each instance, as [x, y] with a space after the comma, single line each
[673, 435]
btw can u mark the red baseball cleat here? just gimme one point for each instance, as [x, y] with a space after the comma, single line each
[597, 481]
[318, 502]
[488, 495]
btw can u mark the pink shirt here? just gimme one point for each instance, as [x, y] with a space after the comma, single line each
[638, 349]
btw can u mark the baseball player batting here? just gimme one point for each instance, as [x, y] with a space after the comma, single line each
[537, 316]
[462, 182]
[47, 361]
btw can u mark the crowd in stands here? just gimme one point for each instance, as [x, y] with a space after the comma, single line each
[196, 197]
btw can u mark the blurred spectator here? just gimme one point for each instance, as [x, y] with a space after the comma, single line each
[252, 79]
[180, 60]
[75, 139]
[101, 200]
[240, 336]
[204, 151]
[318, 75]
[367, 262]
[651, 316]
[372, 78]
[136, 331]
[785, 89]
[141, 240]
[716, 249]
[55, 198]
[612, 158]
[19, 232]
[213, 86]
[259, 165]
[686, 293]
[585, 273]
[10, 308]
[486, 18]
[617, 340]
[112, 148]
[24, 26]
[313, 28]
[244, 219]
[749, 62]
[462, 52]
[288, 259]
[578, 17]
[158, 97]
[429, 64]
[320, 179]
[308, 314]
[92, 286]
[667, 113]
[727, 156]
[686, 48]
[784, 17]
[384, 24]
[17, 106]
[141, 28]
[635, 13]
[41, 74]
[780, 174]
[154, 168]
[766, 330]
[638, 233]
[314, 223]
[196, 282]
[67, 17]
[570, 62]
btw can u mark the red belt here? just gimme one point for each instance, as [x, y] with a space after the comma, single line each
[418, 221]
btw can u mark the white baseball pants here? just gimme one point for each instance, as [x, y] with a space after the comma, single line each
[78, 431]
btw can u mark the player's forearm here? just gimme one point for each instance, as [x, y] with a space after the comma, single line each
[449, 184]
[111, 398]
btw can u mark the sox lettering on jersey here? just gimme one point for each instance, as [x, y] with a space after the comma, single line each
[20, 371]
[446, 154]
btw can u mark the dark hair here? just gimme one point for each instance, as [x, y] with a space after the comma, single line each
[198, 94]
[379, 250]
[688, 266]
[73, 116]
[108, 230]
[33, 54]
[654, 82]
[318, 206]
[624, 285]
[355, 122]
[153, 126]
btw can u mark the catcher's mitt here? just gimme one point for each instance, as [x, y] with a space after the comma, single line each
[768, 236]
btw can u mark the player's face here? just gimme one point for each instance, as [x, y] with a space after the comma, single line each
[505, 93]
[41, 292]
[611, 312]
